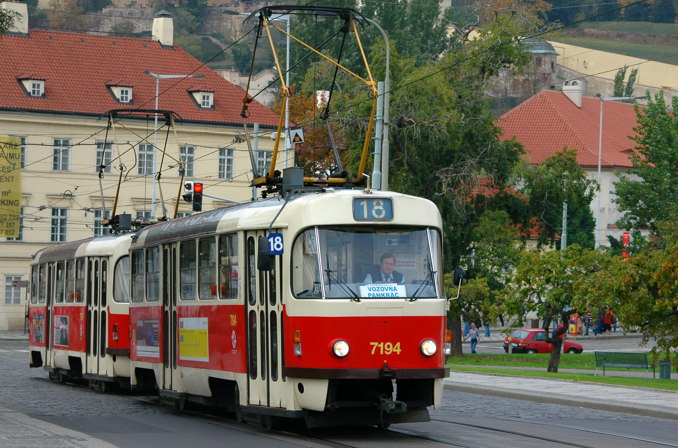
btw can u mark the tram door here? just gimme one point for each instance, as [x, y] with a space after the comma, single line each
[169, 316]
[97, 272]
[264, 328]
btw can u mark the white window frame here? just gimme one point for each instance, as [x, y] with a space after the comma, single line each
[12, 293]
[145, 164]
[226, 163]
[37, 87]
[98, 228]
[59, 226]
[61, 154]
[188, 155]
[264, 159]
[206, 100]
[125, 95]
[104, 157]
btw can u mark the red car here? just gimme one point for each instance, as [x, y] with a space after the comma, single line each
[531, 340]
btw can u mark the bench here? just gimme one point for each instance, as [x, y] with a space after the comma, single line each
[623, 360]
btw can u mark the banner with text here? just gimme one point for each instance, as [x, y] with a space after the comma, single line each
[10, 186]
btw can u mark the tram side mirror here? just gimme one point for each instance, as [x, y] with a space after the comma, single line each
[265, 261]
[458, 276]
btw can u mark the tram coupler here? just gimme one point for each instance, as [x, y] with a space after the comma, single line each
[391, 406]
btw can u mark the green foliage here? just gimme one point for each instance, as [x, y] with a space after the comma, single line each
[7, 19]
[560, 179]
[653, 197]
[643, 289]
[621, 89]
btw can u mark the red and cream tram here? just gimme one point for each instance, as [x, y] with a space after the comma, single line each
[266, 308]
[79, 310]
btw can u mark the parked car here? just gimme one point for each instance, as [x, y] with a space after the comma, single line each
[531, 340]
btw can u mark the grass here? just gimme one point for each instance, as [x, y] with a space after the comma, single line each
[667, 54]
[490, 363]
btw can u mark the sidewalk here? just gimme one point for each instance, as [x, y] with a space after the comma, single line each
[637, 401]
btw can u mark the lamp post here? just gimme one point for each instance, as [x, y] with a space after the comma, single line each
[600, 157]
[155, 125]
[286, 18]
[387, 96]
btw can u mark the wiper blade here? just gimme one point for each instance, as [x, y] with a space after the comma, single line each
[342, 284]
[426, 282]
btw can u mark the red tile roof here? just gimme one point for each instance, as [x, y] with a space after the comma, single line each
[77, 68]
[549, 121]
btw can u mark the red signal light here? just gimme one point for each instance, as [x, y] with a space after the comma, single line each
[197, 188]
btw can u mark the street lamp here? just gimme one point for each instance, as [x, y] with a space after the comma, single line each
[600, 157]
[155, 125]
[286, 18]
[387, 95]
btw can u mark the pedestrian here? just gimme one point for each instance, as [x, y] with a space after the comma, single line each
[587, 322]
[472, 336]
[607, 320]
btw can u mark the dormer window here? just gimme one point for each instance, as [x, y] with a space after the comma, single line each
[206, 99]
[37, 87]
[33, 86]
[121, 91]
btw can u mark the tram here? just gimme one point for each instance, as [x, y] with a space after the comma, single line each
[264, 308]
[78, 314]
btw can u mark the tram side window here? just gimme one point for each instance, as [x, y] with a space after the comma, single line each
[208, 268]
[79, 279]
[138, 276]
[70, 280]
[42, 283]
[60, 282]
[121, 281]
[187, 270]
[34, 284]
[152, 274]
[228, 266]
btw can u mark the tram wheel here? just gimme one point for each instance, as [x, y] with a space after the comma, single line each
[180, 404]
[267, 421]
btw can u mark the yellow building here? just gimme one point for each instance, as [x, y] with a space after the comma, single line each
[57, 91]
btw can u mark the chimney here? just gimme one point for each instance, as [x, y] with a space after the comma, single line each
[21, 21]
[574, 91]
[163, 28]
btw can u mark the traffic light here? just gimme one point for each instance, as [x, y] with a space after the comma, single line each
[188, 191]
[197, 197]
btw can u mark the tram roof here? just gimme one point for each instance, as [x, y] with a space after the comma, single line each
[95, 246]
[259, 215]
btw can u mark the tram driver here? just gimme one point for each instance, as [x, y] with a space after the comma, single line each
[386, 272]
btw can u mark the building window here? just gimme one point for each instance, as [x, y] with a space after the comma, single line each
[12, 293]
[21, 228]
[37, 88]
[125, 95]
[23, 150]
[98, 217]
[188, 156]
[61, 154]
[226, 162]
[263, 161]
[145, 167]
[104, 157]
[182, 214]
[144, 215]
[59, 218]
[206, 100]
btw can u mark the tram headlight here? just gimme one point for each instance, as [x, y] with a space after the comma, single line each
[429, 347]
[340, 348]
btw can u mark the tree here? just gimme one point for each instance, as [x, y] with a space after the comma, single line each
[651, 196]
[621, 89]
[66, 14]
[663, 11]
[7, 19]
[643, 289]
[560, 179]
[550, 284]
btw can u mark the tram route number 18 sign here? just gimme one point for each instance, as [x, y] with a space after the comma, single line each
[10, 186]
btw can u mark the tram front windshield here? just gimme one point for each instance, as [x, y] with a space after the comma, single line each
[360, 262]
